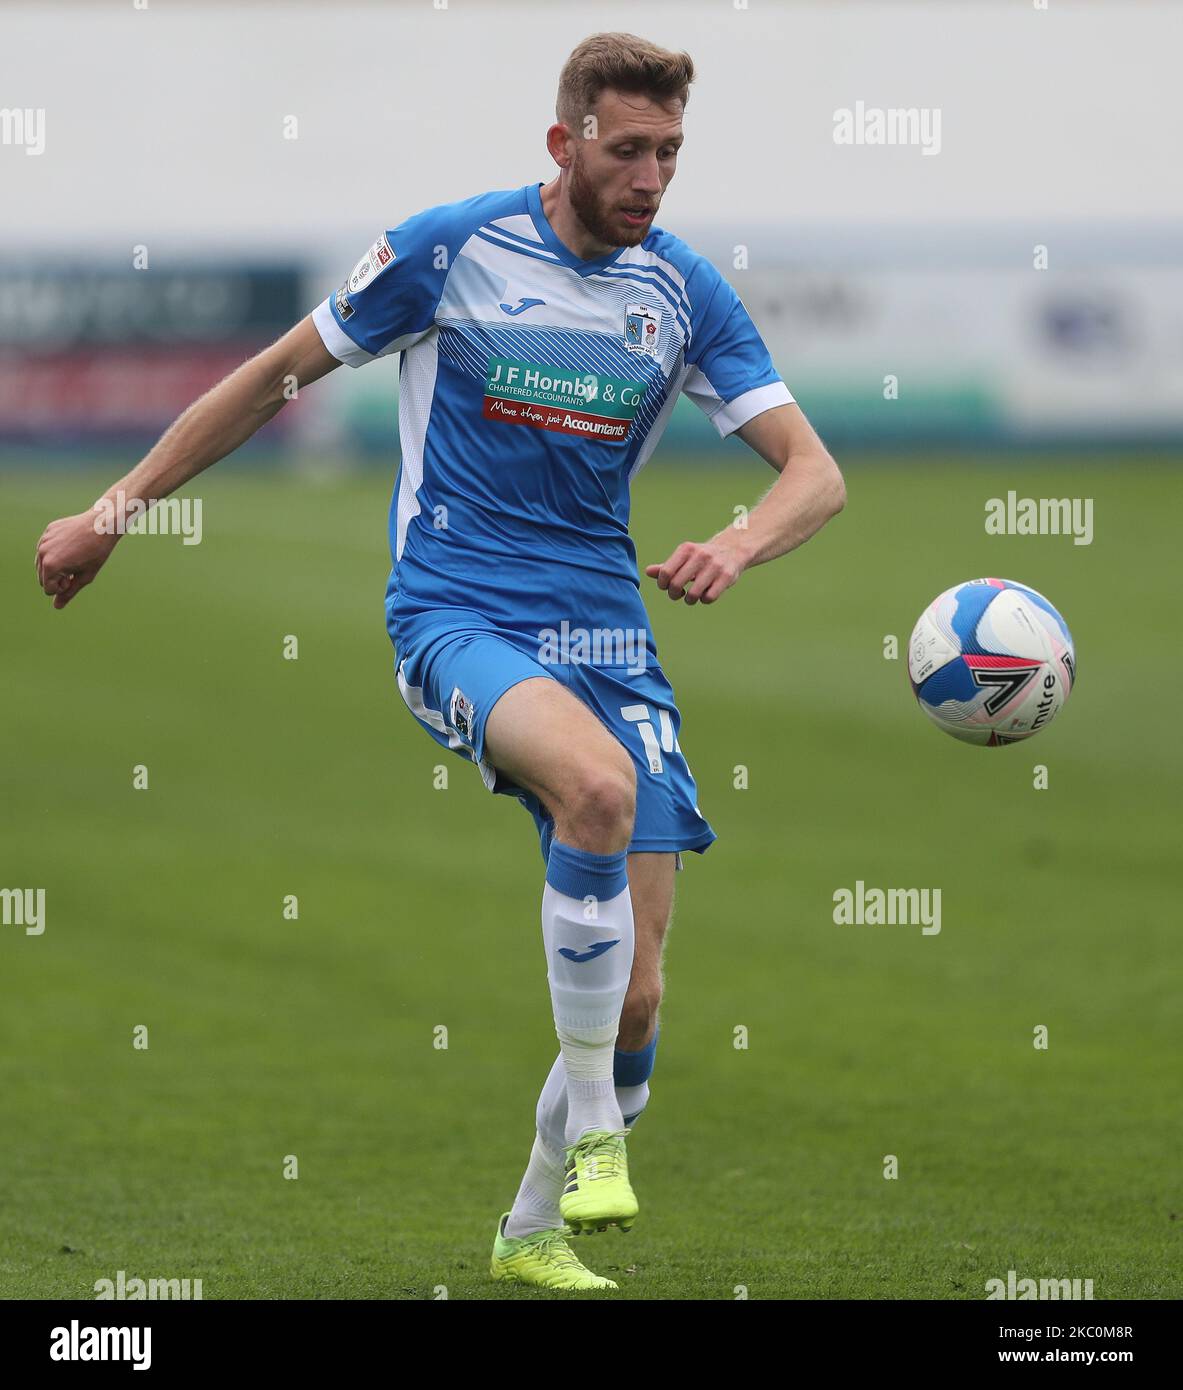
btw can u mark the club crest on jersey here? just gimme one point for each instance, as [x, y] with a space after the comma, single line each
[642, 328]
[461, 713]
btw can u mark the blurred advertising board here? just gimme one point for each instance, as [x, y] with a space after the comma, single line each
[91, 354]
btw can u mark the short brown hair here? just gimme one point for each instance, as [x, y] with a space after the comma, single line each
[623, 62]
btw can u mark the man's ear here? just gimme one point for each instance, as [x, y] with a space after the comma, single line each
[559, 141]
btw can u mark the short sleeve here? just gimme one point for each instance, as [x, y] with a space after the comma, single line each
[729, 373]
[389, 300]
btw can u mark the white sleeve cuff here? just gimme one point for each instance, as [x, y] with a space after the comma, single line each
[334, 337]
[734, 414]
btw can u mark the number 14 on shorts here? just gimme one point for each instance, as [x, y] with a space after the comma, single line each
[642, 717]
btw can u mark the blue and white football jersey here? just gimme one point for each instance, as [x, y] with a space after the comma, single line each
[533, 385]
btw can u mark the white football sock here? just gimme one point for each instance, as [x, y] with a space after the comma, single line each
[632, 1100]
[551, 1114]
[587, 927]
[536, 1207]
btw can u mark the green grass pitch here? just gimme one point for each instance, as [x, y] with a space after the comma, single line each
[759, 1167]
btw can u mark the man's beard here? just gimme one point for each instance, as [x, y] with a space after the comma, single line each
[595, 216]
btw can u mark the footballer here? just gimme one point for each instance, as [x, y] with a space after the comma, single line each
[545, 333]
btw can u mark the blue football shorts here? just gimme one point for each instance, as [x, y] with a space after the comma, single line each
[453, 678]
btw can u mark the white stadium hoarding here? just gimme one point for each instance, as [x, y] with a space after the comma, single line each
[980, 353]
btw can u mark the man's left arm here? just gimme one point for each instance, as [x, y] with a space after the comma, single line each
[807, 494]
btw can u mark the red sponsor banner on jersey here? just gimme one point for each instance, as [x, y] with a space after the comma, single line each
[552, 417]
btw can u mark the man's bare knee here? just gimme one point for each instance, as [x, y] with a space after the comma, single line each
[598, 805]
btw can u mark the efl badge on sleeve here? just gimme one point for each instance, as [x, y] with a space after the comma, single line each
[461, 714]
[642, 328]
[373, 263]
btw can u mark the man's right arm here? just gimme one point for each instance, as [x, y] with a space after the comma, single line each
[71, 551]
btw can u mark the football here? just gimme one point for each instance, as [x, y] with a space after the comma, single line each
[991, 662]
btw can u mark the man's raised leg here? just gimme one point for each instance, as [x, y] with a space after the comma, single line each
[543, 738]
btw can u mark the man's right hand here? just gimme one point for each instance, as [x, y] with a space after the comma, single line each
[69, 555]
[71, 551]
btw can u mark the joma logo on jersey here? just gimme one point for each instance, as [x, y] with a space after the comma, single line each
[558, 398]
[642, 328]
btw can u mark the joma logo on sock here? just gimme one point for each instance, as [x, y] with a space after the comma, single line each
[591, 953]
[1020, 1289]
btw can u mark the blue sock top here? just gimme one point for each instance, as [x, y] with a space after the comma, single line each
[631, 1068]
[580, 874]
